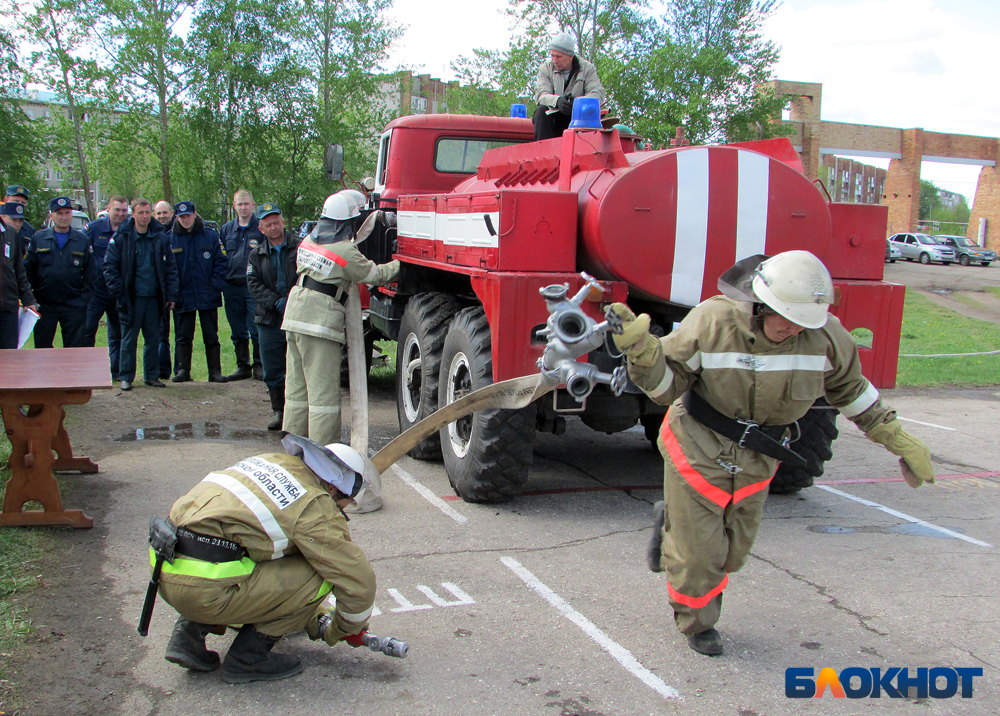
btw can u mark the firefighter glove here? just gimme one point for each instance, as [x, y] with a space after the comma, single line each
[635, 341]
[915, 459]
[565, 103]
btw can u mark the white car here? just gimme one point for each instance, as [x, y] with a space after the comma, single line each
[923, 248]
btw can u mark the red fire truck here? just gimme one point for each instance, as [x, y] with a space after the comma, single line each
[486, 217]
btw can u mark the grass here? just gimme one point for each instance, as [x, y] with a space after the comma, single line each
[928, 329]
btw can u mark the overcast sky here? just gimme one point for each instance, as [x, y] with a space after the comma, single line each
[895, 63]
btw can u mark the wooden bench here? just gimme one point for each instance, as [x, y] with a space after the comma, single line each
[35, 384]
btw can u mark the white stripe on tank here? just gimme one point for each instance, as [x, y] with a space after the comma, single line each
[691, 233]
[751, 203]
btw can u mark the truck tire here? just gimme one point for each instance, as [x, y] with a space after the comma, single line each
[487, 454]
[418, 363]
[819, 430]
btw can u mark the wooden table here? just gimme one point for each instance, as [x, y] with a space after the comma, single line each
[35, 384]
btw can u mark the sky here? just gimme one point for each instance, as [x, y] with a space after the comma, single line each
[895, 63]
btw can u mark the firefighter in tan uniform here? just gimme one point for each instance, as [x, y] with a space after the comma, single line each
[263, 544]
[328, 263]
[737, 373]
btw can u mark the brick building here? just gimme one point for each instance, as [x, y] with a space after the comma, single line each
[905, 149]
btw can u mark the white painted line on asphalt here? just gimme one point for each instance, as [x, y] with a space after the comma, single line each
[930, 425]
[620, 653]
[429, 495]
[904, 516]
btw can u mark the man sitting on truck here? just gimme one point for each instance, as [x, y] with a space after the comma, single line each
[561, 79]
[737, 373]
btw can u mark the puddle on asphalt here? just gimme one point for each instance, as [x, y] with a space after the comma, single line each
[194, 431]
[909, 529]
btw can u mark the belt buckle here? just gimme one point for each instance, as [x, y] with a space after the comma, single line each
[750, 425]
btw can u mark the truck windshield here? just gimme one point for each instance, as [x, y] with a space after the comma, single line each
[462, 156]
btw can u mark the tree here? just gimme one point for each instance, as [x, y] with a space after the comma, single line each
[151, 59]
[19, 142]
[61, 32]
[930, 198]
[700, 65]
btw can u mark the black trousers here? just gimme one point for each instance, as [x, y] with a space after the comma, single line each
[8, 329]
[73, 320]
[548, 126]
[184, 327]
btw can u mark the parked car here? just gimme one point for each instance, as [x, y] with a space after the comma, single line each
[80, 220]
[967, 250]
[923, 248]
[892, 252]
[306, 228]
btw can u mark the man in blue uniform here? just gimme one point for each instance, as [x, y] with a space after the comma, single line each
[63, 275]
[164, 213]
[239, 237]
[201, 268]
[101, 303]
[19, 195]
[271, 274]
[141, 273]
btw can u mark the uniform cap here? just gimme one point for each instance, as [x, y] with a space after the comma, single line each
[563, 42]
[182, 208]
[60, 202]
[12, 208]
[17, 190]
[266, 210]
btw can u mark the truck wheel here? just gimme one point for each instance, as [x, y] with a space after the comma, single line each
[418, 363]
[487, 454]
[819, 430]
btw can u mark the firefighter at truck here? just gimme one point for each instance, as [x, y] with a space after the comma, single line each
[561, 79]
[738, 372]
[328, 263]
[262, 544]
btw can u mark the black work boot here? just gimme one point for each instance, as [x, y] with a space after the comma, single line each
[182, 364]
[708, 642]
[653, 552]
[213, 356]
[257, 367]
[187, 647]
[277, 396]
[242, 362]
[250, 659]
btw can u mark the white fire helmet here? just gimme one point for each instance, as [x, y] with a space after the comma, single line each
[339, 207]
[361, 464]
[797, 286]
[355, 198]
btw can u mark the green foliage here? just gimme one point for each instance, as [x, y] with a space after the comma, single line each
[699, 66]
[929, 198]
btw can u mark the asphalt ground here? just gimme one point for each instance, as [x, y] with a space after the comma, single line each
[544, 605]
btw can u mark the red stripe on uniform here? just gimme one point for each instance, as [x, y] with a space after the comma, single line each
[744, 492]
[697, 602]
[317, 249]
[693, 477]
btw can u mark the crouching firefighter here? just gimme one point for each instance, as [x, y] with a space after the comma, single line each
[262, 544]
[738, 372]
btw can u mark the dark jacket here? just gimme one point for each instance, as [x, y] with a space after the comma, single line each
[25, 234]
[119, 268]
[238, 243]
[14, 286]
[201, 266]
[100, 233]
[66, 276]
[262, 279]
